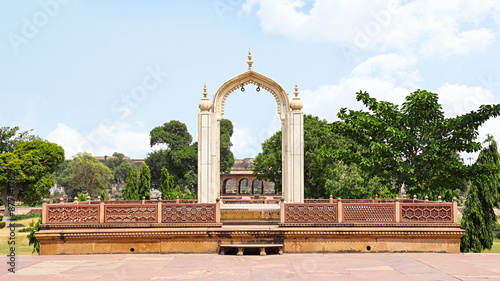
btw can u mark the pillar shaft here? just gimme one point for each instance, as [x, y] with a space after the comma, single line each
[293, 177]
[205, 155]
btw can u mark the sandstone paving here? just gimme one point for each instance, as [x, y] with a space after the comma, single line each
[335, 266]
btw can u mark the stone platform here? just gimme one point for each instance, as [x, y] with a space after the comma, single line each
[173, 227]
[144, 239]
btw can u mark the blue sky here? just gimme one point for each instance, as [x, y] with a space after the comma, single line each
[97, 76]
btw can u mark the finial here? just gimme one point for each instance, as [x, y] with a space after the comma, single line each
[296, 103]
[250, 62]
[205, 104]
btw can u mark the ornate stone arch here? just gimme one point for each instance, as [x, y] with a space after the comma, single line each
[292, 119]
[257, 79]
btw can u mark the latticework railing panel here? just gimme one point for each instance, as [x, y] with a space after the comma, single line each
[310, 213]
[441, 212]
[189, 213]
[369, 212]
[72, 214]
[131, 213]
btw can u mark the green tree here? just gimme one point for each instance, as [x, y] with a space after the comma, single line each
[104, 195]
[181, 156]
[144, 184]
[28, 170]
[416, 146]
[131, 189]
[82, 197]
[10, 138]
[119, 166]
[267, 165]
[32, 238]
[157, 160]
[166, 185]
[479, 218]
[226, 156]
[88, 175]
[323, 173]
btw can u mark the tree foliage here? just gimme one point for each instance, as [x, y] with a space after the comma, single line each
[181, 155]
[27, 166]
[415, 146]
[119, 166]
[226, 156]
[85, 174]
[131, 189]
[166, 185]
[324, 175]
[32, 238]
[144, 184]
[267, 165]
[478, 218]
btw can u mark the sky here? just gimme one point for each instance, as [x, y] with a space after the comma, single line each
[97, 76]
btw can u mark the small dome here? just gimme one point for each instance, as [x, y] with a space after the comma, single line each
[296, 103]
[205, 104]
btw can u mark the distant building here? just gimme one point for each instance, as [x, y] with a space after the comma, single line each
[136, 162]
[242, 182]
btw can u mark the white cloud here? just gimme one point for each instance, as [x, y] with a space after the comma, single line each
[327, 100]
[460, 99]
[425, 27]
[377, 75]
[248, 143]
[103, 140]
[244, 143]
[387, 67]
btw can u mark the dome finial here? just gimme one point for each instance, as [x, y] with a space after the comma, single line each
[296, 103]
[250, 62]
[205, 104]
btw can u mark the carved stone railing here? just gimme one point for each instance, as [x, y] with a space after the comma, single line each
[189, 213]
[69, 213]
[130, 213]
[116, 212]
[370, 211]
[314, 212]
[425, 212]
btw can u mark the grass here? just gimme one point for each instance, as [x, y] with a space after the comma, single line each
[22, 247]
[495, 248]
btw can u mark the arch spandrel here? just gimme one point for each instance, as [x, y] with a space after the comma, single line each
[257, 79]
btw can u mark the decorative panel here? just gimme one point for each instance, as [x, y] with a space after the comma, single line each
[303, 213]
[369, 212]
[440, 212]
[188, 213]
[72, 213]
[131, 213]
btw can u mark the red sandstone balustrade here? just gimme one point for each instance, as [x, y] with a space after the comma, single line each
[370, 211]
[147, 211]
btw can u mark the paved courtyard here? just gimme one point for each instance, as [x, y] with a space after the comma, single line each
[385, 266]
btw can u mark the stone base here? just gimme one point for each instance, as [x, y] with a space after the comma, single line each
[208, 239]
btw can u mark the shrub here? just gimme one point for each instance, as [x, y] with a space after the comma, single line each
[32, 239]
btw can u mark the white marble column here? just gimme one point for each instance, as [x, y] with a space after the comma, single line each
[294, 131]
[206, 194]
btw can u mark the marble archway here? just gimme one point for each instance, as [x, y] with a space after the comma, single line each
[292, 127]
